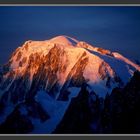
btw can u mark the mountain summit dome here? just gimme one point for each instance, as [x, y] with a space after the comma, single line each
[65, 40]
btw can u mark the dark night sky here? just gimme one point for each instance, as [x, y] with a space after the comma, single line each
[113, 28]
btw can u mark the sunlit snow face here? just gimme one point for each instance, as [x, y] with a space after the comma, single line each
[59, 60]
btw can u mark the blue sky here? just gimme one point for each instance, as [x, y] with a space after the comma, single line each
[113, 28]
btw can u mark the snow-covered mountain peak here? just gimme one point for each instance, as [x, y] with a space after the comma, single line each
[60, 40]
[63, 40]
[63, 59]
[31, 46]
[46, 75]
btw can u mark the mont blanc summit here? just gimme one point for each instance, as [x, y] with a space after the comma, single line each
[41, 80]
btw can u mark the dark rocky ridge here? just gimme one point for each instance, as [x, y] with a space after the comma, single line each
[117, 113]
[19, 121]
